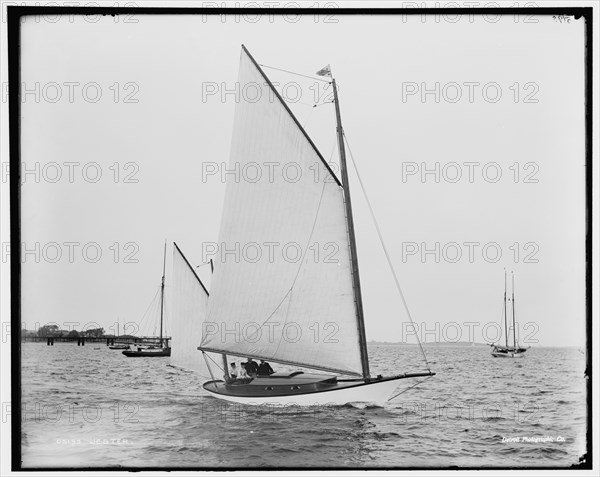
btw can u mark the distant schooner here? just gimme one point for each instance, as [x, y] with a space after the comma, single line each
[506, 351]
[275, 293]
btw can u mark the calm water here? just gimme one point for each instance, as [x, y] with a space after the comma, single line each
[95, 407]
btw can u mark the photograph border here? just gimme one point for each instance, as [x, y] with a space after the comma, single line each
[14, 15]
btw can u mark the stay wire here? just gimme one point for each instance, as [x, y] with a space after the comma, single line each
[409, 388]
[216, 364]
[166, 316]
[142, 322]
[387, 255]
[297, 74]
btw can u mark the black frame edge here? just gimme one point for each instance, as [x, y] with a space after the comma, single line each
[14, 14]
[14, 113]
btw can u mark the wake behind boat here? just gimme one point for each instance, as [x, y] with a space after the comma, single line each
[249, 298]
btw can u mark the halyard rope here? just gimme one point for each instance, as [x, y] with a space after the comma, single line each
[297, 74]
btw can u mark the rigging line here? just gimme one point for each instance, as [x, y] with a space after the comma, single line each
[308, 117]
[154, 312]
[501, 321]
[310, 105]
[409, 388]
[297, 74]
[165, 320]
[208, 365]
[287, 314]
[145, 315]
[216, 364]
[302, 262]
[312, 109]
[387, 255]
[333, 147]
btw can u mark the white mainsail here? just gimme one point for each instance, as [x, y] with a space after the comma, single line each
[190, 301]
[282, 288]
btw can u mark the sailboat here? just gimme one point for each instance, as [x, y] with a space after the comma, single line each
[506, 351]
[302, 312]
[163, 348]
[119, 345]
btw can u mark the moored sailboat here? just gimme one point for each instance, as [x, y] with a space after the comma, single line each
[118, 345]
[163, 348]
[300, 312]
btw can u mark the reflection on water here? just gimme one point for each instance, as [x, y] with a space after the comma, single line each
[86, 407]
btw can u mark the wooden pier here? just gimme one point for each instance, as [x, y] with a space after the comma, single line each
[82, 340]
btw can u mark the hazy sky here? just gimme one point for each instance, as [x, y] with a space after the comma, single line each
[177, 68]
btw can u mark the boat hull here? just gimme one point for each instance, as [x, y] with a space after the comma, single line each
[376, 391]
[147, 354]
[511, 354]
[504, 352]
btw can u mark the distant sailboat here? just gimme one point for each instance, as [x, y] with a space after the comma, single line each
[253, 302]
[163, 349]
[119, 345]
[506, 351]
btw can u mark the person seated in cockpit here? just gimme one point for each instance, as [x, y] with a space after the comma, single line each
[264, 368]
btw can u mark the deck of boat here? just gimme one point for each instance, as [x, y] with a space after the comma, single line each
[284, 384]
[287, 384]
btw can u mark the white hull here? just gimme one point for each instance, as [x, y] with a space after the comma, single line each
[375, 392]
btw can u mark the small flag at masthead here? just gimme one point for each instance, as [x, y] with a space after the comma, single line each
[325, 71]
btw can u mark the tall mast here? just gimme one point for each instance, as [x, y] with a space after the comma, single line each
[162, 292]
[223, 355]
[505, 315]
[513, 311]
[362, 339]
